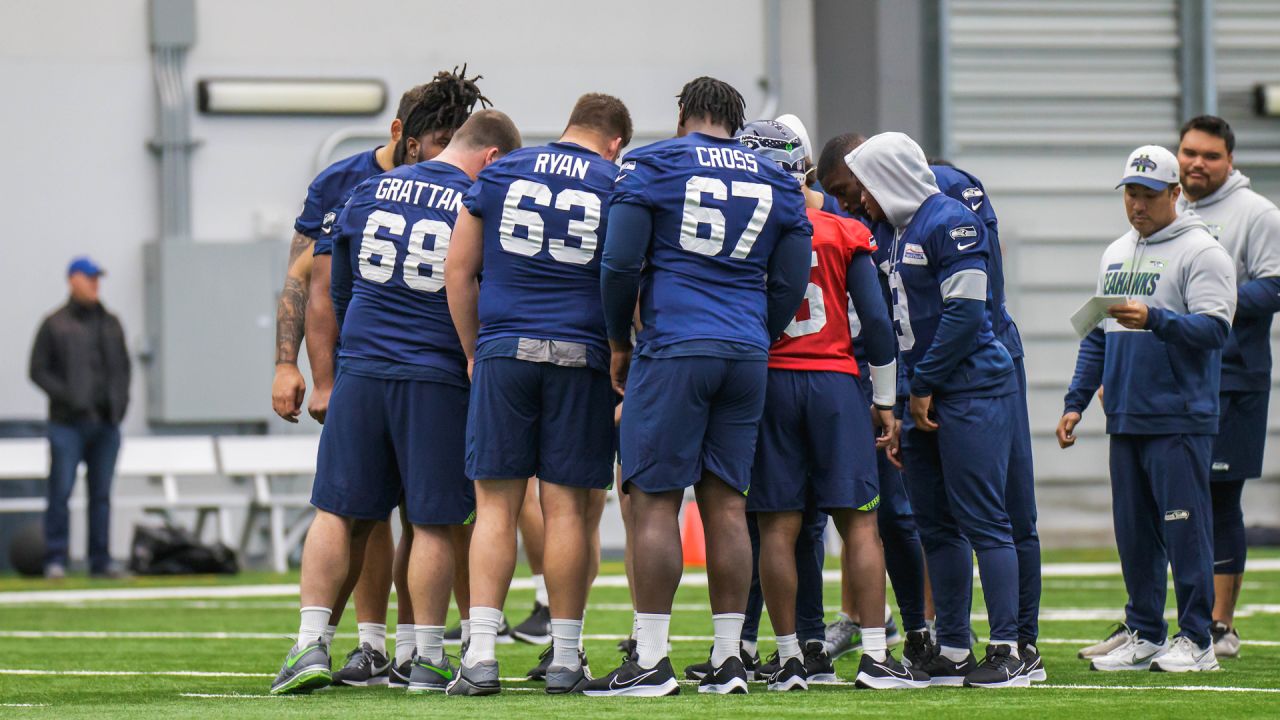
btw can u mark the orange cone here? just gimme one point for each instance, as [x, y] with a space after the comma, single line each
[692, 538]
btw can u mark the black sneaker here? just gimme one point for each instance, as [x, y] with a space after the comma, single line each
[791, 676]
[888, 675]
[728, 679]
[535, 629]
[364, 667]
[627, 648]
[999, 669]
[918, 651]
[750, 661]
[453, 636]
[539, 671]
[631, 679]
[942, 671]
[1033, 666]
[770, 666]
[400, 674]
[817, 663]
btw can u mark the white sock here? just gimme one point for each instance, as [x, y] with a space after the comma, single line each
[566, 638]
[405, 643]
[933, 634]
[651, 638]
[485, 622]
[788, 647]
[873, 643]
[466, 629]
[1013, 646]
[330, 631]
[430, 642]
[375, 634]
[750, 647]
[955, 655]
[728, 636]
[315, 619]
[540, 590]
[635, 625]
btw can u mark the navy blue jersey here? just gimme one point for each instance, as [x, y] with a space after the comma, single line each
[328, 193]
[397, 226]
[719, 210]
[544, 211]
[943, 238]
[966, 188]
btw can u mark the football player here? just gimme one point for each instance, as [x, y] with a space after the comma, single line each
[541, 403]
[815, 441]
[393, 429]
[439, 107]
[715, 242]
[958, 436]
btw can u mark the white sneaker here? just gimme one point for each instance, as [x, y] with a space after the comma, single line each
[1184, 656]
[1119, 636]
[1226, 641]
[1134, 654]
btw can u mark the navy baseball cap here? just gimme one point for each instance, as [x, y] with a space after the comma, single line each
[84, 264]
[1150, 166]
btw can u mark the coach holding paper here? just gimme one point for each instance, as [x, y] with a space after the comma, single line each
[1159, 356]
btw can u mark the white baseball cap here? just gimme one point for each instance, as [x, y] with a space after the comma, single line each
[1150, 166]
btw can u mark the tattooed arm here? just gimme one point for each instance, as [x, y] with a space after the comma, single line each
[289, 387]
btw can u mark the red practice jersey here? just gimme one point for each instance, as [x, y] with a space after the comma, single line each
[818, 337]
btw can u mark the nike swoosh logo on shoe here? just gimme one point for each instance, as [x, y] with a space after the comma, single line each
[904, 674]
[293, 659]
[615, 685]
[445, 673]
[379, 670]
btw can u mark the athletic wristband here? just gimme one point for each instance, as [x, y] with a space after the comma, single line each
[884, 384]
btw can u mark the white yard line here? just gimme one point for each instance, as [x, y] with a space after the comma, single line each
[690, 579]
[1183, 688]
[136, 673]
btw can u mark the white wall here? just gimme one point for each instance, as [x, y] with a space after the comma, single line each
[77, 106]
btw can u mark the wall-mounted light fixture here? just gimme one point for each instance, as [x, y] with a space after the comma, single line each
[1266, 100]
[259, 96]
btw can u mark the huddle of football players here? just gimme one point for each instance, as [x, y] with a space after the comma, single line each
[830, 335]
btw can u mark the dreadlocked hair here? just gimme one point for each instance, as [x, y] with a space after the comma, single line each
[713, 99]
[442, 104]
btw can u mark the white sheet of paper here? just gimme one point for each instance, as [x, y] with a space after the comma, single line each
[1093, 312]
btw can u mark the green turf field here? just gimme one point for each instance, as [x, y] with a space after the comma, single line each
[94, 659]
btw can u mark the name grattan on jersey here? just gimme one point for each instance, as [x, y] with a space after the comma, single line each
[328, 193]
[544, 211]
[398, 225]
[718, 213]
[818, 338]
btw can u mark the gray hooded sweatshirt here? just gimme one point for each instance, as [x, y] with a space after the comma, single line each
[1248, 226]
[1163, 379]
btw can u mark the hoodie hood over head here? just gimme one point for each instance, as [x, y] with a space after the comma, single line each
[893, 168]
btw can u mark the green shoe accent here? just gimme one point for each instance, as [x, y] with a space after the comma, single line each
[305, 682]
[444, 672]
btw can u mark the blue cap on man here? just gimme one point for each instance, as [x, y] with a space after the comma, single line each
[85, 265]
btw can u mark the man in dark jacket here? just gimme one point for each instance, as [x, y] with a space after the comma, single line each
[80, 361]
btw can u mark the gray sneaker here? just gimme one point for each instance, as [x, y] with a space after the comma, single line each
[364, 667]
[563, 681]
[1226, 641]
[304, 670]
[1119, 636]
[428, 676]
[843, 637]
[478, 679]
[55, 571]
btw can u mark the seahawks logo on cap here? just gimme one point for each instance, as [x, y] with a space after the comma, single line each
[1143, 163]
